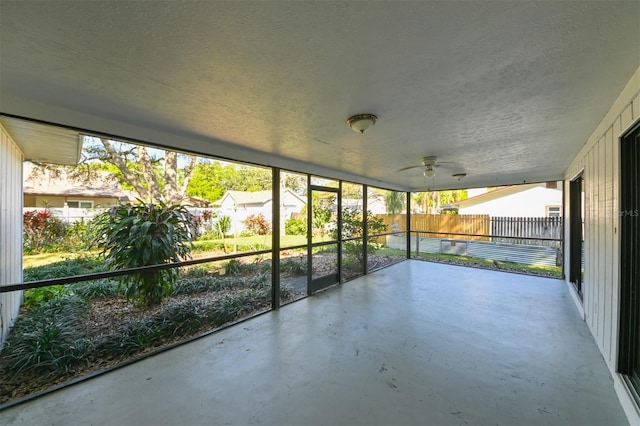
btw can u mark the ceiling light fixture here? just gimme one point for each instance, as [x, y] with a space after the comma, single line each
[458, 175]
[361, 122]
[429, 171]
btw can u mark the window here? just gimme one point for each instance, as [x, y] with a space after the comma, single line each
[80, 204]
[554, 211]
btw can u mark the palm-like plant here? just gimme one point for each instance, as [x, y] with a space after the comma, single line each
[395, 202]
[144, 235]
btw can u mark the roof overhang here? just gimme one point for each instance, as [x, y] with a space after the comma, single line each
[44, 143]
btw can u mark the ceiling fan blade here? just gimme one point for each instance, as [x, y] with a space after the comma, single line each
[409, 167]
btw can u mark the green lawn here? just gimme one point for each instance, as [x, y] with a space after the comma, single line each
[33, 260]
[255, 242]
[550, 270]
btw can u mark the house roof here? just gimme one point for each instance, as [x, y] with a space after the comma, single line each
[76, 191]
[255, 197]
[505, 91]
[245, 197]
[105, 185]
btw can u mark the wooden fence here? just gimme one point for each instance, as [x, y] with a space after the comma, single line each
[510, 229]
[478, 224]
[513, 230]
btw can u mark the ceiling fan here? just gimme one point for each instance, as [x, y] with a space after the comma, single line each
[429, 163]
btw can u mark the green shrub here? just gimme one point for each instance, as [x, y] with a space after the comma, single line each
[45, 340]
[201, 270]
[41, 230]
[184, 318]
[209, 235]
[223, 226]
[295, 227]
[234, 306]
[77, 235]
[237, 267]
[97, 289]
[131, 338]
[294, 266]
[285, 292]
[201, 284]
[35, 297]
[257, 224]
[352, 227]
[143, 235]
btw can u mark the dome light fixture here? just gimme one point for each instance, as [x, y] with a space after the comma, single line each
[458, 175]
[361, 122]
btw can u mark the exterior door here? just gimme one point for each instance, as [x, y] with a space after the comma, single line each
[629, 353]
[576, 233]
[323, 237]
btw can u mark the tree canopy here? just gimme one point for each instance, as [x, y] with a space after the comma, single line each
[432, 201]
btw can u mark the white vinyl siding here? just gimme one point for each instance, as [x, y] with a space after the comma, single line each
[10, 229]
[600, 158]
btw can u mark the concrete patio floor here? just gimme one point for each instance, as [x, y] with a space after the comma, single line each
[415, 343]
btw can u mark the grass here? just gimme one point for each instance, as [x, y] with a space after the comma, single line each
[64, 267]
[539, 269]
[255, 242]
[44, 259]
[391, 251]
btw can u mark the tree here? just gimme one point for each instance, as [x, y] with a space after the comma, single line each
[153, 174]
[432, 201]
[251, 178]
[211, 179]
[394, 202]
[144, 235]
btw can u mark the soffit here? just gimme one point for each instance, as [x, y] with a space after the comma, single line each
[44, 143]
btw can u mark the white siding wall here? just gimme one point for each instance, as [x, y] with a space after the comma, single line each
[10, 229]
[599, 159]
[529, 203]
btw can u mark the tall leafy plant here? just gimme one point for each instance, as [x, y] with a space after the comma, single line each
[143, 235]
[352, 227]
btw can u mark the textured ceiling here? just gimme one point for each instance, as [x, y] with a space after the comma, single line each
[505, 91]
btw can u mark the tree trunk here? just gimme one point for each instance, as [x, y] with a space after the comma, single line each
[171, 177]
[149, 174]
[122, 166]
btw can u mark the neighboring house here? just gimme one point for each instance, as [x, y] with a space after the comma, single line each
[528, 200]
[241, 204]
[375, 204]
[45, 190]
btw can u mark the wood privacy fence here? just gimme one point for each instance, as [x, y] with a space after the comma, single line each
[478, 224]
[513, 230]
[506, 228]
